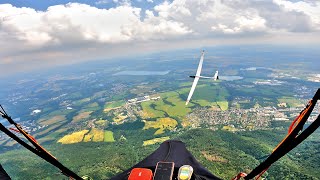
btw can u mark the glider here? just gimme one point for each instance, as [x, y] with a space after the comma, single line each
[198, 76]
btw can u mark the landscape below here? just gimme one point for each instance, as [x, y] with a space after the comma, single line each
[100, 125]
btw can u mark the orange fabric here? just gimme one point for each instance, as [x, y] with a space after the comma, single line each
[239, 176]
[294, 124]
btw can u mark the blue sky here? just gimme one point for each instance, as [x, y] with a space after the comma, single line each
[44, 4]
[45, 33]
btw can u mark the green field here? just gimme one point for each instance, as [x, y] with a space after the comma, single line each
[114, 104]
[172, 103]
[211, 92]
[161, 124]
[108, 136]
[149, 112]
[203, 102]
[81, 101]
[290, 101]
[91, 107]
[223, 105]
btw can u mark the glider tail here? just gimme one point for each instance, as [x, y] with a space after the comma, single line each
[216, 76]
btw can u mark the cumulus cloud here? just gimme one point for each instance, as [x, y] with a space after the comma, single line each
[76, 30]
[80, 22]
[309, 8]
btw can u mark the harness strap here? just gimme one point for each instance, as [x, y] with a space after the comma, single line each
[37, 149]
[294, 137]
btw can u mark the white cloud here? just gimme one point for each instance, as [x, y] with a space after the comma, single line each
[79, 22]
[311, 9]
[82, 31]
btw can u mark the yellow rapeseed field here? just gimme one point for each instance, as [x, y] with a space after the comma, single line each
[161, 124]
[155, 140]
[73, 138]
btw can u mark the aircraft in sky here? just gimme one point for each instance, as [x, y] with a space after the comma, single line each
[198, 76]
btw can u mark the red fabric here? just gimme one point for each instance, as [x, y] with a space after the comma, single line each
[140, 174]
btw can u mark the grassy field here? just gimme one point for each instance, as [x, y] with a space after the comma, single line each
[149, 112]
[155, 140]
[223, 105]
[75, 137]
[211, 92]
[53, 136]
[170, 102]
[212, 95]
[108, 136]
[161, 124]
[179, 109]
[290, 101]
[203, 102]
[59, 112]
[48, 129]
[88, 137]
[113, 105]
[173, 102]
[81, 101]
[95, 135]
[119, 118]
[101, 123]
[81, 116]
[52, 120]
[229, 128]
[98, 135]
[92, 107]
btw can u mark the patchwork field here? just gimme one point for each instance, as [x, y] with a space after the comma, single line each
[170, 103]
[75, 137]
[149, 112]
[155, 140]
[113, 105]
[81, 101]
[92, 107]
[95, 135]
[52, 120]
[81, 116]
[101, 123]
[48, 129]
[161, 124]
[119, 118]
[290, 101]
[53, 136]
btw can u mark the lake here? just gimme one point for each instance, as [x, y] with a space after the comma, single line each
[230, 78]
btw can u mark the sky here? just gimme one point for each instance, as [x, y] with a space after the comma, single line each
[45, 33]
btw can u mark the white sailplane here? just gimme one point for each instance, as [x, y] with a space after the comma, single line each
[198, 76]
